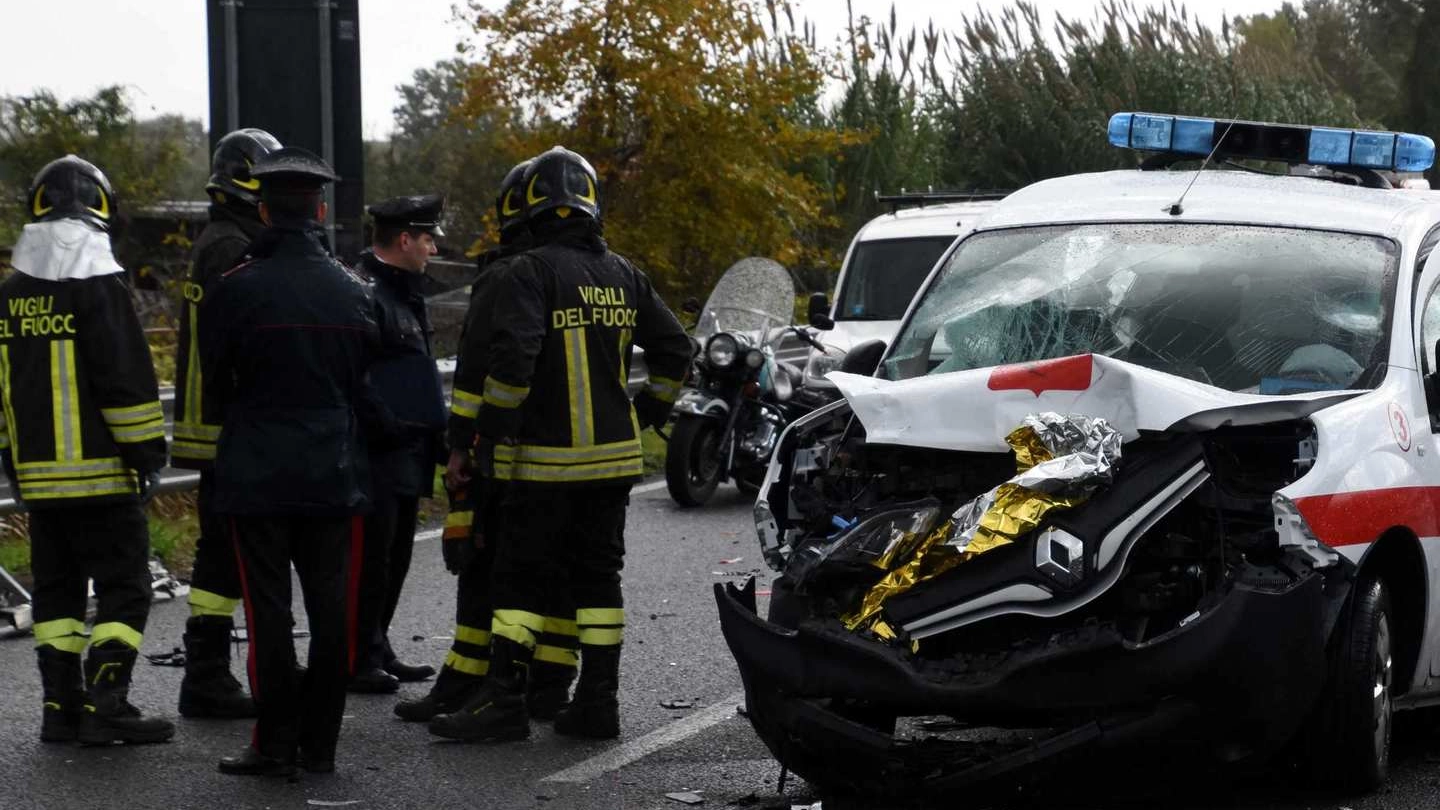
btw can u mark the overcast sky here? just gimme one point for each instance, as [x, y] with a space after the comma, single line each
[157, 47]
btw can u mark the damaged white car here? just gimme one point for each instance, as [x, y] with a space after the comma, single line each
[1152, 449]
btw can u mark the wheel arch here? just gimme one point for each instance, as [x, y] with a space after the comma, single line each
[1397, 558]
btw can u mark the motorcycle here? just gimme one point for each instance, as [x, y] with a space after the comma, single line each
[741, 396]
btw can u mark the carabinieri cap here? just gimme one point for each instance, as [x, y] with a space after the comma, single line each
[294, 167]
[419, 212]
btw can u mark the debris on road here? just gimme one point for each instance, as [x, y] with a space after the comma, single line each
[676, 703]
[174, 658]
[325, 803]
[654, 616]
[686, 797]
[731, 561]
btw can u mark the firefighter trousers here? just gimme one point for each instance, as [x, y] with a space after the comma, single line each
[68, 546]
[389, 543]
[296, 710]
[555, 542]
[214, 581]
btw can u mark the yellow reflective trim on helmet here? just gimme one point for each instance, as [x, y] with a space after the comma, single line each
[530, 192]
[505, 208]
[590, 198]
[253, 184]
[35, 205]
[104, 210]
[117, 631]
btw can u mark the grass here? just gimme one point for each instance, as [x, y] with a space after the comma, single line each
[654, 449]
[174, 529]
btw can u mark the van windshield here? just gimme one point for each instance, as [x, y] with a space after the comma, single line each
[883, 276]
[1255, 309]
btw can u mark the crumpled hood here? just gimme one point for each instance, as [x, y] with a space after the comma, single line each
[64, 250]
[975, 410]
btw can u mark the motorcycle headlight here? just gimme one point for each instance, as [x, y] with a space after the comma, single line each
[754, 358]
[881, 539]
[722, 350]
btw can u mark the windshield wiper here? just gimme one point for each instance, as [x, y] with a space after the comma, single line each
[869, 317]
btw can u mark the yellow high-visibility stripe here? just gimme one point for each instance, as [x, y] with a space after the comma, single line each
[206, 603]
[139, 433]
[560, 627]
[593, 616]
[58, 628]
[577, 365]
[623, 355]
[463, 410]
[520, 626]
[193, 450]
[465, 518]
[192, 369]
[466, 664]
[117, 631]
[548, 454]
[133, 414]
[602, 636]
[520, 471]
[663, 388]
[109, 485]
[197, 431]
[10, 426]
[556, 655]
[64, 400]
[61, 469]
[472, 635]
[461, 395]
[503, 395]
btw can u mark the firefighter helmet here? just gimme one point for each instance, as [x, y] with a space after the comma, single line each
[563, 182]
[510, 203]
[73, 188]
[235, 155]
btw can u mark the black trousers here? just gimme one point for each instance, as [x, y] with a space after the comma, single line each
[294, 710]
[389, 545]
[558, 541]
[214, 581]
[70, 545]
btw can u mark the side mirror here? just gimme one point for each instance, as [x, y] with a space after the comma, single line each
[819, 312]
[690, 305]
[864, 358]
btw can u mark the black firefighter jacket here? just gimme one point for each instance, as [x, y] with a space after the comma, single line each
[284, 342]
[555, 397]
[81, 406]
[220, 246]
[402, 453]
[473, 363]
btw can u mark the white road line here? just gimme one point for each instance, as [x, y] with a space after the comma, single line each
[428, 534]
[663, 737]
[650, 487]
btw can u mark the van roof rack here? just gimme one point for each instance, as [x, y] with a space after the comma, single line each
[932, 197]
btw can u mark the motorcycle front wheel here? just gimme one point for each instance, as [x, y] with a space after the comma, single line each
[692, 462]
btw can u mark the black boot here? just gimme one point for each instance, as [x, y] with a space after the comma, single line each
[64, 688]
[451, 690]
[108, 716]
[595, 710]
[250, 762]
[208, 689]
[406, 673]
[549, 688]
[497, 710]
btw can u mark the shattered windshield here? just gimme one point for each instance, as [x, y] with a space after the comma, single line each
[883, 276]
[1244, 308]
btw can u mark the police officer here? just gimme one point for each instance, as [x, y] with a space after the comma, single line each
[284, 342]
[208, 689]
[407, 441]
[464, 540]
[83, 444]
[556, 425]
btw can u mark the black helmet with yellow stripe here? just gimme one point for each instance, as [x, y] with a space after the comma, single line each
[510, 203]
[235, 155]
[560, 183]
[72, 188]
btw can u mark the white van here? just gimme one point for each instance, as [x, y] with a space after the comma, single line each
[890, 257]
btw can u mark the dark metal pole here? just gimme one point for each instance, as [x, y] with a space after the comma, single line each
[327, 112]
[232, 65]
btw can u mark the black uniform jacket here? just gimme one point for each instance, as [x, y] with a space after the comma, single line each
[220, 246]
[284, 341]
[473, 363]
[403, 380]
[555, 398]
[80, 400]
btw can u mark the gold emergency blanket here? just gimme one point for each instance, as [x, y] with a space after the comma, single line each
[1060, 461]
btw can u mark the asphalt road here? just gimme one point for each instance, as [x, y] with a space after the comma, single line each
[674, 652]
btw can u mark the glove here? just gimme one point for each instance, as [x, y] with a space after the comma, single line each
[149, 485]
[457, 552]
[461, 542]
[651, 412]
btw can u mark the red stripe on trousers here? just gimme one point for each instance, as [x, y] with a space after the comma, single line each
[1352, 518]
[250, 668]
[352, 590]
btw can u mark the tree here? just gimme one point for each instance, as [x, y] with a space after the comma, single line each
[695, 113]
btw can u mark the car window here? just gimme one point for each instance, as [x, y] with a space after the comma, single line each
[1430, 329]
[1245, 308]
[883, 276]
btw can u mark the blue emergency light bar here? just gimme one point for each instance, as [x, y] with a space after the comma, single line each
[1286, 143]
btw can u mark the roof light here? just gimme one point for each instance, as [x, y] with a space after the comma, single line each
[1319, 146]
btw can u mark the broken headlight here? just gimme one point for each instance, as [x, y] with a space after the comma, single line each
[879, 539]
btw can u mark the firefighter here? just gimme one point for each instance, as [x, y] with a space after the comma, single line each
[284, 343]
[407, 440]
[465, 549]
[83, 444]
[555, 424]
[208, 688]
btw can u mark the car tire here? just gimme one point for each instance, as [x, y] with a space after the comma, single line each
[692, 466]
[1356, 712]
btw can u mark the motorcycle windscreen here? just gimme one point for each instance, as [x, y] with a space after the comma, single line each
[754, 296]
